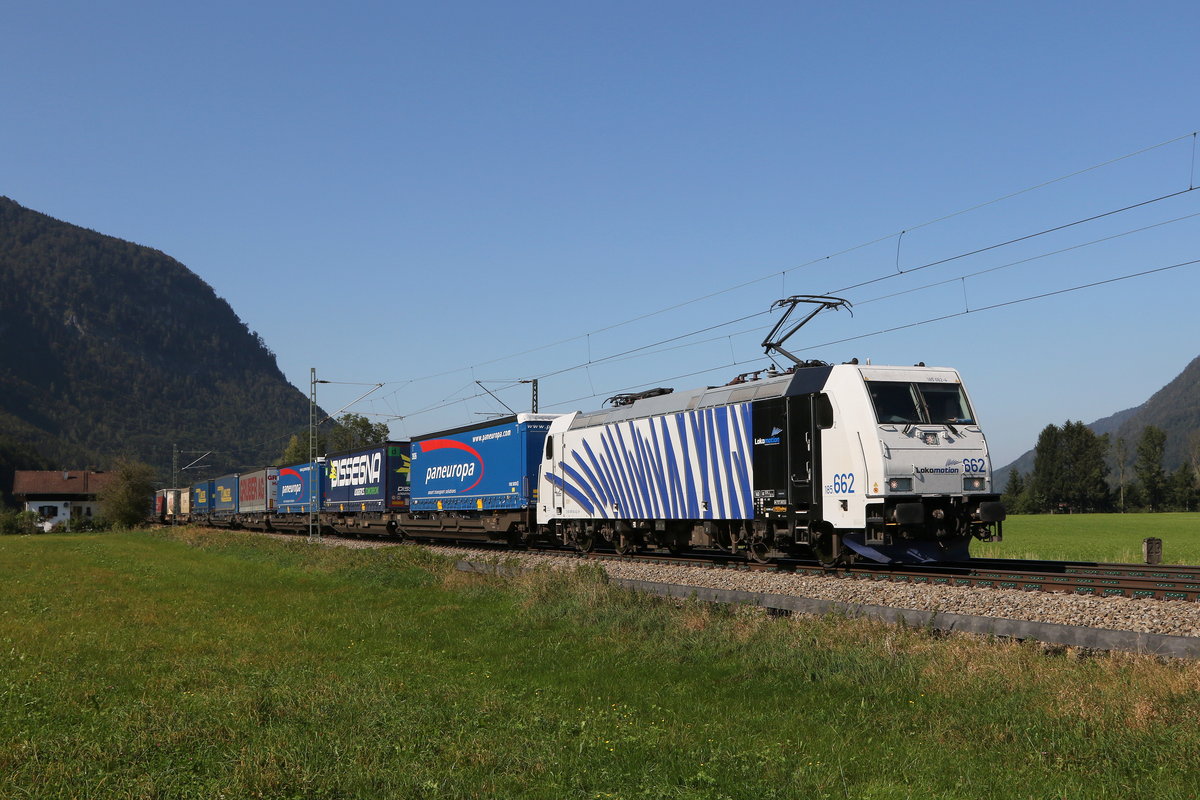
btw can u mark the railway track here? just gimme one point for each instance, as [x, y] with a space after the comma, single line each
[1099, 583]
[1138, 581]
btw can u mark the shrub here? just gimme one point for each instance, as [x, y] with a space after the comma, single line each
[18, 523]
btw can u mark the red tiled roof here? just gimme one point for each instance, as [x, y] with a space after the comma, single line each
[58, 481]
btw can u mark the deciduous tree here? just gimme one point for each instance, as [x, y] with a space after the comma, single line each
[1149, 468]
[355, 431]
[1182, 484]
[126, 499]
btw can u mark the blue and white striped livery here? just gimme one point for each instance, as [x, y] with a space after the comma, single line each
[692, 465]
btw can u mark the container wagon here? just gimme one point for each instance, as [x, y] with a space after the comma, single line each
[256, 498]
[366, 489]
[478, 482]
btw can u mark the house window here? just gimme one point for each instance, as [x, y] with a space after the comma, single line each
[49, 512]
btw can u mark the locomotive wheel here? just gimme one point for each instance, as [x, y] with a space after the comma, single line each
[585, 541]
[758, 549]
[723, 539]
[828, 549]
[623, 543]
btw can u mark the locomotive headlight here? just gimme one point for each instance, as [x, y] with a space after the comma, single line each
[900, 484]
[974, 484]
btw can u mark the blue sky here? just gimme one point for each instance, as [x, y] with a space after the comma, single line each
[391, 192]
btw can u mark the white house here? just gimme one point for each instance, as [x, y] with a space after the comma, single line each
[59, 496]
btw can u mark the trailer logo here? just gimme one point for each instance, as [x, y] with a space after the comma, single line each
[459, 470]
[290, 488]
[252, 489]
[355, 470]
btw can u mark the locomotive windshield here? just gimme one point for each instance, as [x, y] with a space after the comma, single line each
[920, 403]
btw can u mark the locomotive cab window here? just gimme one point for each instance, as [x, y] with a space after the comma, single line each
[945, 403]
[824, 407]
[920, 403]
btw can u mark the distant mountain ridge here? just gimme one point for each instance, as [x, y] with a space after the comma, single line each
[109, 348]
[1175, 408]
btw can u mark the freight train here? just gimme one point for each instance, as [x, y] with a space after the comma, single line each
[843, 462]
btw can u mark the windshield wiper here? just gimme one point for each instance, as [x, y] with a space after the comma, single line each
[922, 406]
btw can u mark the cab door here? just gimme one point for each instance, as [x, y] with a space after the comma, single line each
[552, 493]
[808, 415]
[802, 445]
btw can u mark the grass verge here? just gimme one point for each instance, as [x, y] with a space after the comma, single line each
[177, 665]
[1096, 537]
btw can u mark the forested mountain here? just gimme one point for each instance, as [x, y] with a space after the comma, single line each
[1175, 409]
[111, 349]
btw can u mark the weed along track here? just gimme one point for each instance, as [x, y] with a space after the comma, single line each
[1093, 621]
[1083, 609]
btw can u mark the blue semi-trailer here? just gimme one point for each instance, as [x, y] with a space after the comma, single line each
[367, 479]
[299, 488]
[479, 481]
[224, 497]
[202, 500]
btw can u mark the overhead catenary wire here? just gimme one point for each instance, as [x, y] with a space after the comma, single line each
[918, 323]
[845, 251]
[1018, 262]
[1017, 240]
[893, 329]
[658, 343]
[650, 348]
[295, 430]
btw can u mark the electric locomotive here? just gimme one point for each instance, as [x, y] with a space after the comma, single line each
[848, 461]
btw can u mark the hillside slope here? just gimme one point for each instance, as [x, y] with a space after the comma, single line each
[109, 349]
[1175, 408]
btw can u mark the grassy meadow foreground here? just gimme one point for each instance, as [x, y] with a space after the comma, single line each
[202, 665]
[1113, 538]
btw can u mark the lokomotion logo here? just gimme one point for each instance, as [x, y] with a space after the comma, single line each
[456, 464]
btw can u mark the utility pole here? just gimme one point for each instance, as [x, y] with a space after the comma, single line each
[534, 382]
[314, 528]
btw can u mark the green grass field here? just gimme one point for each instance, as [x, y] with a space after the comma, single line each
[210, 665]
[1096, 537]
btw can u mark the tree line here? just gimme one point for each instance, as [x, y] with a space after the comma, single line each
[1072, 474]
